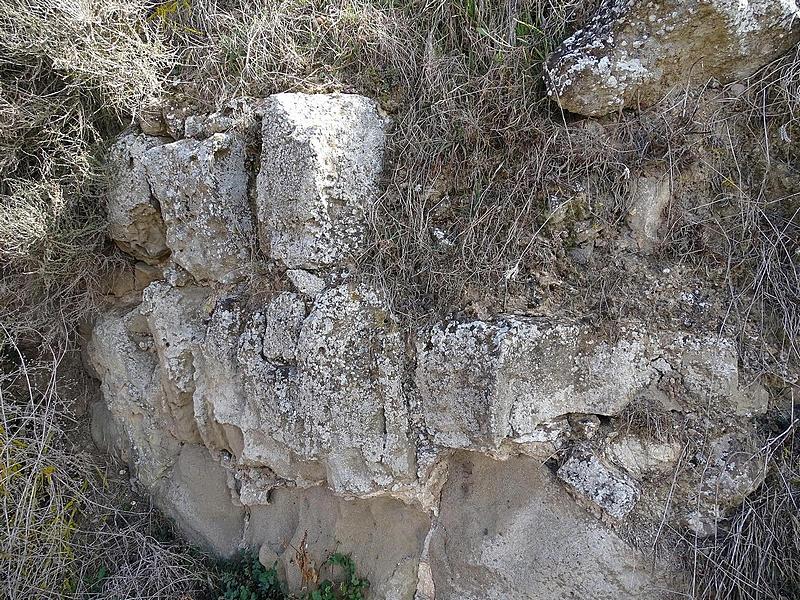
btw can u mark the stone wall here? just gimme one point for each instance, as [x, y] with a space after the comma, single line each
[268, 397]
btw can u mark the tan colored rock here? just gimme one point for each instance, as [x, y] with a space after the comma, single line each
[321, 160]
[643, 457]
[509, 531]
[195, 495]
[313, 398]
[151, 118]
[135, 424]
[651, 196]
[383, 536]
[635, 51]
[175, 318]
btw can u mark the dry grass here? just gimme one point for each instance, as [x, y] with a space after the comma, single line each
[70, 73]
[488, 185]
[757, 556]
[70, 527]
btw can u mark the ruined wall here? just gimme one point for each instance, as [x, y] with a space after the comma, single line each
[268, 397]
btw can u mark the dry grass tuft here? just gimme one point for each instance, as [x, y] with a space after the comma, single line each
[757, 556]
[69, 74]
[65, 532]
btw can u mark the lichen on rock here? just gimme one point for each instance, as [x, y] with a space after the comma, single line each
[633, 53]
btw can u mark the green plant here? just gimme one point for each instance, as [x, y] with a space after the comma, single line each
[247, 579]
[352, 588]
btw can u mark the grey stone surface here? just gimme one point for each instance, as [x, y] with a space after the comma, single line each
[134, 219]
[610, 489]
[485, 381]
[202, 189]
[635, 51]
[321, 160]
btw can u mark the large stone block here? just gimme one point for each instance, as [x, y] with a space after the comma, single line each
[608, 488]
[201, 187]
[321, 160]
[314, 397]
[134, 424]
[482, 382]
[635, 51]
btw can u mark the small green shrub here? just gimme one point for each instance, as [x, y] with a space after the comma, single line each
[352, 588]
[245, 578]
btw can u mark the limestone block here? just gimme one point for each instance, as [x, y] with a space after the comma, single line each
[732, 469]
[484, 381]
[134, 425]
[175, 318]
[642, 456]
[134, 220]
[321, 160]
[635, 51]
[202, 189]
[314, 398]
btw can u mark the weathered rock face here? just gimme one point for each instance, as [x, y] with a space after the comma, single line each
[634, 52]
[276, 402]
[483, 382]
[135, 222]
[202, 189]
[531, 548]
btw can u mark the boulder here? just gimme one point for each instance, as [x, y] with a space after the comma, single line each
[610, 489]
[313, 397]
[731, 469]
[175, 318]
[633, 52]
[134, 424]
[650, 199]
[643, 457]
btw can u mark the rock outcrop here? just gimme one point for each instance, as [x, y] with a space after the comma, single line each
[268, 397]
[633, 52]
